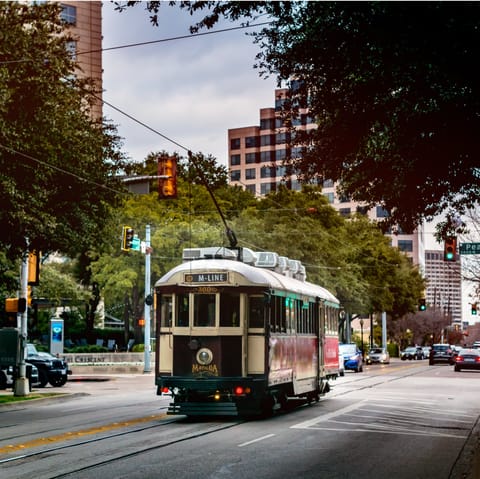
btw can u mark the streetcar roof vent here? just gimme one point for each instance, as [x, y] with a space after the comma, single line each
[213, 252]
[249, 256]
[266, 259]
[301, 274]
[294, 266]
[282, 265]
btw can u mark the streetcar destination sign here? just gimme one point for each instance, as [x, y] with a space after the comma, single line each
[206, 278]
[469, 248]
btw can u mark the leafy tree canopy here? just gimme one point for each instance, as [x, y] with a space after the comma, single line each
[58, 163]
[392, 88]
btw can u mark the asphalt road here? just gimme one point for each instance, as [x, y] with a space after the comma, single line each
[404, 420]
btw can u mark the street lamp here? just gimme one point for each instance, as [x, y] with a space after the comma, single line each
[361, 334]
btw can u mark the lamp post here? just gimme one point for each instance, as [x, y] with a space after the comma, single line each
[361, 334]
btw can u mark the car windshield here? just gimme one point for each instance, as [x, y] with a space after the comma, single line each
[376, 351]
[410, 349]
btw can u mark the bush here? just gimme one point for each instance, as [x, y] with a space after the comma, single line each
[138, 348]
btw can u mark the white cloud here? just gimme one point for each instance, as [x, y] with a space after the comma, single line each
[191, 90]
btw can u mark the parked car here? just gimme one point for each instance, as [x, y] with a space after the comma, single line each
[378, 355]
[412, 352]
[51, 369]
[441, 353]
[7, 376]
[352, 357]
[467, 359]
[426, 352]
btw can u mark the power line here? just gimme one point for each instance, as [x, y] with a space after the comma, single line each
[171, 39]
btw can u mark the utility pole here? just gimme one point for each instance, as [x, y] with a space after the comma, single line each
[147, 302]
[22, 386]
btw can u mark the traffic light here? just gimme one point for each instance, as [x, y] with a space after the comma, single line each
[474, 309]
[422, 304]
[15, 305]
[127, 238]
[167, 181]
[450, 248]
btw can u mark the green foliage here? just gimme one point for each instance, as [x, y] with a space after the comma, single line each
[391, 87]
[57, 162]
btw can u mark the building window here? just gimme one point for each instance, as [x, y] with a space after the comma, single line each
[252, 158]
[251, 141]
[251, 188]
[267, 124]
[267, 140]
[327, 183]
[235, 175]
[280, 155]
[362, 210]
[344, 211]
[68, 14]
[330, 197]
[282, 138]
[235, 144]
[344, 199]
[382, 212]
[235, 160]
[279, 103]
[405, 245]
[267, 156]
[268, 172]
[266, 188]
[72, 49]
[297, 152]
[250, 174]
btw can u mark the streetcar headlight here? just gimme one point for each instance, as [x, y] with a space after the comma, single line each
[204, 356]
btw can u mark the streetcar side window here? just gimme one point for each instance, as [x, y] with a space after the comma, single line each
[166, 311]
[256, 305]
[182, 305]
[204, 306]
[230, 309]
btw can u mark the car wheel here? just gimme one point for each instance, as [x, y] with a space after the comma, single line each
[58, 382]
[42, 378]
[342, 373]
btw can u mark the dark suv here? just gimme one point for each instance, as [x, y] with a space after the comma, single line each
[442, 353]
[51, 369]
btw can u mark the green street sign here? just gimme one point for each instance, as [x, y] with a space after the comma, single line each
[469, 248]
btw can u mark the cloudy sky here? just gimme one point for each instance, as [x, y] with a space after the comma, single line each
[190, 90]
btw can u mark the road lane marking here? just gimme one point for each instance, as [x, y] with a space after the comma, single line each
[256, 440]
[42, 441]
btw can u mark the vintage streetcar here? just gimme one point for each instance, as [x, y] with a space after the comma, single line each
[242, 333]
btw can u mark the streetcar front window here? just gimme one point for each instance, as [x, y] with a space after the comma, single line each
[204, 310]
[166, 311]
[182, 310]
[230, 309]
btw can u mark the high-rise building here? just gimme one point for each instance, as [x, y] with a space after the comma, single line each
[256, 155]
[444, 287]
[84, 19]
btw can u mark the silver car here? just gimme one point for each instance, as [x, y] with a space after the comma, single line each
[378, 355]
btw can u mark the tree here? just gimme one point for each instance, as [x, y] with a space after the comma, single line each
[58, 163]
[390, 85]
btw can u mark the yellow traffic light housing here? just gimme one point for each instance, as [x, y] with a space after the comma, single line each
[167, 173]
[127, 237]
